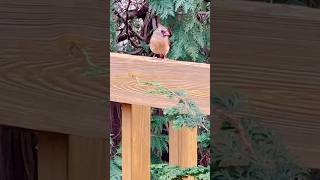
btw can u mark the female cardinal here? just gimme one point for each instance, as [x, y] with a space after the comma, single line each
[159, 42]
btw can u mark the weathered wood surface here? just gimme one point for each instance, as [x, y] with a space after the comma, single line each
[42, 85]
[271, 54]
[194, 78]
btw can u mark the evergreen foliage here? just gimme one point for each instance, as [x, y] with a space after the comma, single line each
[115, 163]
[166, 172]
[190, 24]
[188, 20]
[245, 150]
[185, 113]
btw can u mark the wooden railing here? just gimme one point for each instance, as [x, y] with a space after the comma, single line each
[194, 78]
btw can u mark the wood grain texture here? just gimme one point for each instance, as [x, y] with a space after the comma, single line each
[69, 157]
[41, 76]
[87, 158]
[183, 147]
[136, 139]
[194, 78]
[52, 156]
[270, 53]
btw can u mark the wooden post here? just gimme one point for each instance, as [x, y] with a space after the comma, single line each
[135, 142]
[87, 158]
[52, 156]
[70, 157]
[183, 147]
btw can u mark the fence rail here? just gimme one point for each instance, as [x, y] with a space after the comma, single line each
[194, 78]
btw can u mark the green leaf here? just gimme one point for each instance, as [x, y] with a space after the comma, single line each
[163, 8]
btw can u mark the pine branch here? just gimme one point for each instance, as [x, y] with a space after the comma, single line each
[127, 19]
[221, 115]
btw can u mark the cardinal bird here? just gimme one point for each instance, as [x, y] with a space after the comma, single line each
[159, 42]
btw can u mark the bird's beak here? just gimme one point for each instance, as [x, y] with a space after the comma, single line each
[166, 33]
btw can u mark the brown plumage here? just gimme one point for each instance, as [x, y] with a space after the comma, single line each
[159, 42]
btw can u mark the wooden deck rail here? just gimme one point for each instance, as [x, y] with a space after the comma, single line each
[194, 78]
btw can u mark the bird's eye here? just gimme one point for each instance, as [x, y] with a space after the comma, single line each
[162, 31]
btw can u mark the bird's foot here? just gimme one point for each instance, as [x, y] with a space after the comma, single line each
[155, 58]
[161, 58]
[165, 58]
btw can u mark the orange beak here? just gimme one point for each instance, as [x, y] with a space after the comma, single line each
[166, 33]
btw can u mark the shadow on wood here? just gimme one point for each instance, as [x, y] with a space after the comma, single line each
[18, 154]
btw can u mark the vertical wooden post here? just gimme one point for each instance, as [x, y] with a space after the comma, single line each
[87, 158]
[69, 157]
[52, 156]
[183, 147]
[135, 142]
